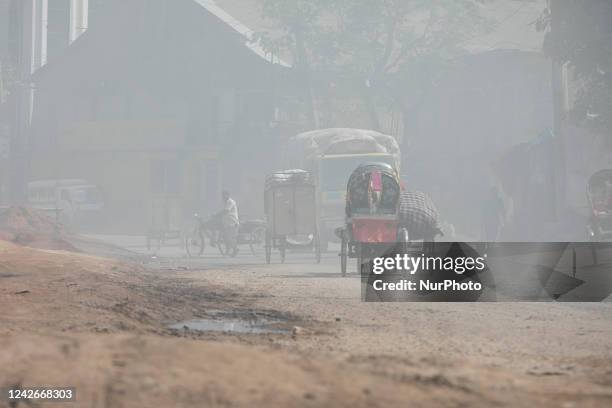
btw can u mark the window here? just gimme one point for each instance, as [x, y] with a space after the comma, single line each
[65, 196]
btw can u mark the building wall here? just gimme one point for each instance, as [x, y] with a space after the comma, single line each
[4, 27]
[160, 93]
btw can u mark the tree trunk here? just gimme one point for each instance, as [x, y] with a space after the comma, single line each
[368, 97]
[304, 69]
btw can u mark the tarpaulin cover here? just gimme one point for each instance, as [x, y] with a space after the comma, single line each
[418, 214]
[341, 141]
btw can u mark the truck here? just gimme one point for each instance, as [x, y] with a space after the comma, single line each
[74, 201]
[331, 155]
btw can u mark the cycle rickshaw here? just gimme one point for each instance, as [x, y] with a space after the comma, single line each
[291, 213]
[372, 215]
[599, 196]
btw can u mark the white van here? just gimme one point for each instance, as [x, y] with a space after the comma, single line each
[74, 198]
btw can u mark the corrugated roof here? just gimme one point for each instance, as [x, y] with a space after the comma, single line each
[512, 26]
[511, 23]
[241, 29]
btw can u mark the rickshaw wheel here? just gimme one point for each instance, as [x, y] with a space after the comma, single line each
[258, 237]
[343, 256]
[268, 247]
[358, 258]
[361, 262]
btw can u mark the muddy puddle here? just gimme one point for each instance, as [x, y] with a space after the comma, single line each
[235, 322]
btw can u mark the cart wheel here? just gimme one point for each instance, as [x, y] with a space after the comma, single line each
[283, 249]
[268, 247]
[195, 243]
[257, 239]
[343, 256]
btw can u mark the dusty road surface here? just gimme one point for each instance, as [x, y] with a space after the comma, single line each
[123, 334]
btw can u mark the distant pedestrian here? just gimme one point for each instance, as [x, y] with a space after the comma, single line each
[493, 214]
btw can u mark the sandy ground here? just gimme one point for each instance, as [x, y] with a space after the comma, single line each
[100, 325]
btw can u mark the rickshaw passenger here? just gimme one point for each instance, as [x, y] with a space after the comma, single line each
[390, 195]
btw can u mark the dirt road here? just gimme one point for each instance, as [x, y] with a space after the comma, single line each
[102, 326]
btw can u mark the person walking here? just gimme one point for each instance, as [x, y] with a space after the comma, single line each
[493, 213]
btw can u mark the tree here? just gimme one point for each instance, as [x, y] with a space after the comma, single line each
[580, 34]
[394, 50]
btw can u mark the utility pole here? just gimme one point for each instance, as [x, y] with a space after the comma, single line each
[30, 44]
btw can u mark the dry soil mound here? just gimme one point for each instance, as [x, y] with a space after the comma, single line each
[26, 226]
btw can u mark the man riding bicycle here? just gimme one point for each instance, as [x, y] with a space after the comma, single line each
[229, 221]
